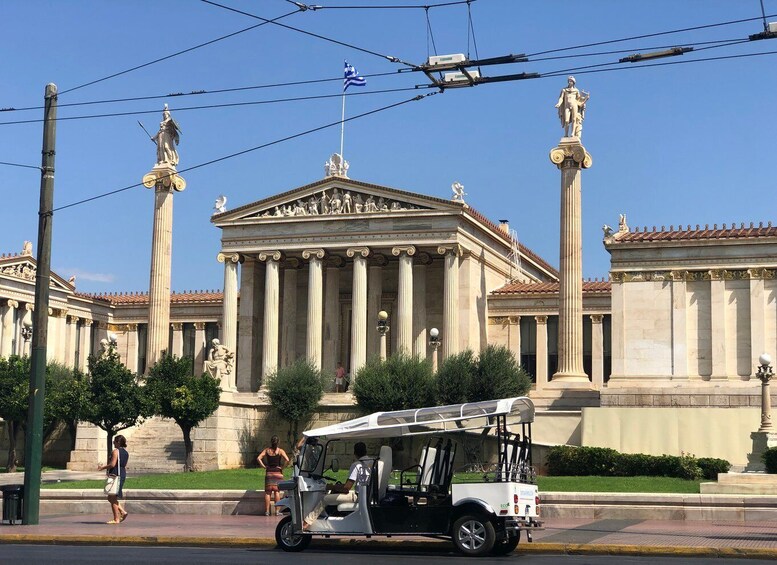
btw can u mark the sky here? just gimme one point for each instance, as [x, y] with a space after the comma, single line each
[689, 143]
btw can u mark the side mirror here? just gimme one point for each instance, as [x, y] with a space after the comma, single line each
[335, 465]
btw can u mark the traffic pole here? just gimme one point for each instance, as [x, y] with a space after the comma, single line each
[33, 443]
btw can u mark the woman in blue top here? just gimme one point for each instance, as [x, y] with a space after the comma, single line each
[117, 466]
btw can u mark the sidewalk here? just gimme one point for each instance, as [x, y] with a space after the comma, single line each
[573, 536]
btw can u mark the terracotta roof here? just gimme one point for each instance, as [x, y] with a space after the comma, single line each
[6, 256]
[589, 286]
[524, 250]
[698, 232]
[185, 297]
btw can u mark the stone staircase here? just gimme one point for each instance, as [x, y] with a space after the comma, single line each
[156, 446]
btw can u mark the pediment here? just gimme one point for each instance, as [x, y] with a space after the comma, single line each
[332, 198]
[24, 267]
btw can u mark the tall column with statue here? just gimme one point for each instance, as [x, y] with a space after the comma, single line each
[164, 179]
[571, 157]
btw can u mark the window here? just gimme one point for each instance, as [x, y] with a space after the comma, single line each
[142, 338]
[552, 346]
[529, 346]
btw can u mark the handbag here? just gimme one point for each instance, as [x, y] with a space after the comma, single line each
[113, 482]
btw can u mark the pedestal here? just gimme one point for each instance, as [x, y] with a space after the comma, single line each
[761, 442]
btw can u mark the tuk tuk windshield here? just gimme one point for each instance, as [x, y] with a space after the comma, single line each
[310, 456]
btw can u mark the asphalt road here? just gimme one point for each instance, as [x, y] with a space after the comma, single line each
[116, 555]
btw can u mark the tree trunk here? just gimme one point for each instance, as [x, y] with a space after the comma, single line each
[13, 431]
[187, 442]
[109, 438]
[72, 427]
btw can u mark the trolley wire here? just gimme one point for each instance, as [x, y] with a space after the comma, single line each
[19, 165]
[256, 148]
[387, 7]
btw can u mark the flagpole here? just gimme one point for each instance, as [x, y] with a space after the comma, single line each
[342, 127]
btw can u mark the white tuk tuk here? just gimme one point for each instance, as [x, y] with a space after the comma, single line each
[483, 513]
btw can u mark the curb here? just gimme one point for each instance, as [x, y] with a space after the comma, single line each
[407, 546]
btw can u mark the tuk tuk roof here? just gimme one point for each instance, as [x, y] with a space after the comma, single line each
[430, 420]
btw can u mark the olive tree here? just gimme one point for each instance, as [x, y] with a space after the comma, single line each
[14, 399]
[397, 383]
[295, 392]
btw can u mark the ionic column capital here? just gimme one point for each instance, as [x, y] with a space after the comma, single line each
[199, 326]
[541, 319]
[570, 154]
[358, 252]
[58, 312]
[269, 256]
[400, 249]
[597, 318]
[307, 254]
[88, 322]
[229, 257]
[177, 326]
[10, 303]
[73, 319]
[450, 250]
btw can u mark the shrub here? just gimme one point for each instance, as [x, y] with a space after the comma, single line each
[567, 460]
[295, 392]
[769, 457]
[398, 383]
[454, 378]
[711, 467]
[582, 461]
[498, 375]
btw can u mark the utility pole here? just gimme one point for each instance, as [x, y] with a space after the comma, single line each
[33, 443]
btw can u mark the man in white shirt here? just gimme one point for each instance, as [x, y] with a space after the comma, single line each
[358, 475]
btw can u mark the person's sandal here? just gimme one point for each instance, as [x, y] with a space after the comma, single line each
[124, 516]
[111, 522]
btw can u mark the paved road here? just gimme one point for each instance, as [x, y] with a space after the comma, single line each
[86, 555]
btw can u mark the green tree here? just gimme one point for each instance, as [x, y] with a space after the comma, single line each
[454, 378]
[188, 399]
[115, 399]
[66, 399]
[295, 392]
[14, 399]
[498, 375]
[398, 383]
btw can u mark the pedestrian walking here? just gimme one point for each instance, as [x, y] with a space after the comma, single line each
[117, 465]
[272, 459]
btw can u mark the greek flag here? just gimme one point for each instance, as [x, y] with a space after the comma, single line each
[352, 77]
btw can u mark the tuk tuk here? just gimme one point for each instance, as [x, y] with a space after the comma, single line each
[482, 512]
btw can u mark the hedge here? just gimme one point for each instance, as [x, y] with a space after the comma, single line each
[566, 460]
[769, 458]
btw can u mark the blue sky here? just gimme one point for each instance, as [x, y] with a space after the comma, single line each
[677, 144]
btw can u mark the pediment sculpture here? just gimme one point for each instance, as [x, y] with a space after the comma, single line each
[24, 271]
[336, 202]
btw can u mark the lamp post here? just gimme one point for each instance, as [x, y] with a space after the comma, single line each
[26, 336]
[434, 342]
[383, 328]
[112, 341]
[765, 374]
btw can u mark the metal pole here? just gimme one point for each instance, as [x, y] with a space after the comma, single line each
[33, 445]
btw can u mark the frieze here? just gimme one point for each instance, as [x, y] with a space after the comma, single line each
[336, 203]
[504, 321]
[693, 276]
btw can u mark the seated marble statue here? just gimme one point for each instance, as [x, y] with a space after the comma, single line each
[220, 364]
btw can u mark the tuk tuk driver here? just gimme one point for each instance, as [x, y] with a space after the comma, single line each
[358, 475]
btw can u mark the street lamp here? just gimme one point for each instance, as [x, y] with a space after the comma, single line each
[26, 335]
[765, 374]
[112, 340]
[434, 342]
[383, 328]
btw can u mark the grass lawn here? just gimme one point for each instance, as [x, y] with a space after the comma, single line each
[253, 479]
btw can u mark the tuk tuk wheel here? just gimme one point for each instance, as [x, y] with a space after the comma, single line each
[473, 535]
[505, 546]
[287, 540]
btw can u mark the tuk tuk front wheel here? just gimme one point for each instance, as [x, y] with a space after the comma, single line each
[287, 540]
[473, 535]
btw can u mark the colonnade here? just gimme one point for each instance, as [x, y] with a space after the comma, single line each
[260, 311]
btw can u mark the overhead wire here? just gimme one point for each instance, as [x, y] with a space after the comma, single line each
[387, 7]
[166, 57]
[7, 164]
[256, 148]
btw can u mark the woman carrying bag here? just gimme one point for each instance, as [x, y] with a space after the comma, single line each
[117, 472]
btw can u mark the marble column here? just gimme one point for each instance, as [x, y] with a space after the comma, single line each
[403, 321]
[229, 306]
[374, 302]
[289, 312]
[570, 157]
[542, 352]
[199, 347]
[419, 305]
[86, 344]
[132, 347]
[450, 308]
[331, 347]
[679, 326]
[71, 345]
[8, 328]
[315, 305]
[597, 351]
[163, 179]
[177, 328]
[61, 344]
[619, 313]
[359, 309]
[271, 305]
[718, 323]
[758, 342]
[250, 328]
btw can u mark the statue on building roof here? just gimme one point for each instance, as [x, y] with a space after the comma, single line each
[27, 249]
[458, 192]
